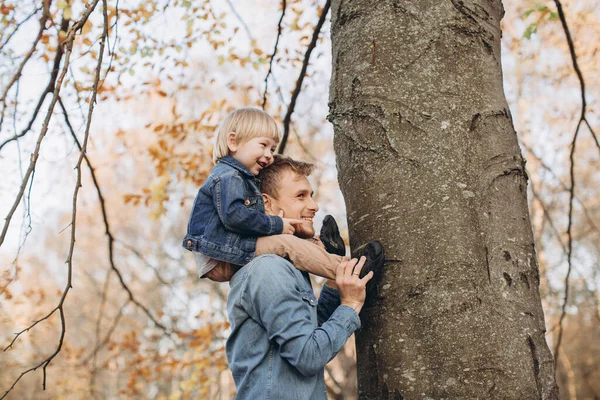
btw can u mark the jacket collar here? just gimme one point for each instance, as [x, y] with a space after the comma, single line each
[232, 162]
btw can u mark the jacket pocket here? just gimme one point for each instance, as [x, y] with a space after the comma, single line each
[253, 202]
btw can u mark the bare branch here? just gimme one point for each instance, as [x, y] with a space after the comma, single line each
[44, 18]
[111, 238]
[582, 119]
[68, 44]
[19, 26]
[104, 342]
[279, 28]
[30, 327]
[69, 47]
[563, 185]
[563, 21]
[143, 259]
[296, 93]
[239, 17]
[569, 244]
[64, 26]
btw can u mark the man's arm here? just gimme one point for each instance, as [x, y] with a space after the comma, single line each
[229, 199]
[275, 297]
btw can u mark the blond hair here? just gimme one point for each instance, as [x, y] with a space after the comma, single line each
[247, 123]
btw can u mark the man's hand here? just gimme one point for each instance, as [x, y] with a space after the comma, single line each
[288, 224]
[351, 287]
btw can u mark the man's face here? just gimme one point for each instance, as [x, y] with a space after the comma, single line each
[295, 198]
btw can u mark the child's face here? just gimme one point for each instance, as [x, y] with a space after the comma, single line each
[255, 154]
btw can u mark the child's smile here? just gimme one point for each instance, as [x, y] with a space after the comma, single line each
[255, 154]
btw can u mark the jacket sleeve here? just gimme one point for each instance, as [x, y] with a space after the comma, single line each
[329, 301]
[228, 194]
[273, 297]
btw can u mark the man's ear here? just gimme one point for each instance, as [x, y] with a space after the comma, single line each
[232, 142]
[269, 204]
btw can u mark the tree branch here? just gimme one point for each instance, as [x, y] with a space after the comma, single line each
[44, 18]
[69, 47]
[569, 245]
[296, 93]
[563, 21]
[19, 26]
[582, 119]
[279, 28]
[68, 44]
[64, 26]
[111, 238]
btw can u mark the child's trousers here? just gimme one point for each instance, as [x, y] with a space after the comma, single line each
[305, 254]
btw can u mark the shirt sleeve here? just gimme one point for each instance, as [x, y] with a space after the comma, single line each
[275, 296]
[228, 194]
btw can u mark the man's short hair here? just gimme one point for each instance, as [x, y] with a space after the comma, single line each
[270, 178]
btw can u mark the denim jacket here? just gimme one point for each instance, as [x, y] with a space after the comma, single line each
[229, 214]
[281, 337]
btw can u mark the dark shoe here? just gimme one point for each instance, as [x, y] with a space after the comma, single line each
[330, 236]
[375, 255]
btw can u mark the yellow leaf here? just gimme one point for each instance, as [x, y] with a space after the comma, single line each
[86, 28]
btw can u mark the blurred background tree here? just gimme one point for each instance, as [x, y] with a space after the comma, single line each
[100, 301]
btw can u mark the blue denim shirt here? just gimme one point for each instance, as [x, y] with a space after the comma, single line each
[229, 214]
[281, 337]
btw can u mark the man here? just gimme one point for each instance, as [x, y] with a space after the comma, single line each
[281, 337]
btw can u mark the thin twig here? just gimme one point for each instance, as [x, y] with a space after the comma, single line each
[239, 17]
[64, 26]
[582, 118]
[279, 29]
[19, 26]
[563, 21]
[569, 245]
[251, 38]
[43, 19]
[111, 238]
[296, 93]
[146, 262]
[55, 90]
[104, 342]
[68, 43]
[563, 185]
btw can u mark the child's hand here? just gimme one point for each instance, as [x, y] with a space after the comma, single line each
[288, 224]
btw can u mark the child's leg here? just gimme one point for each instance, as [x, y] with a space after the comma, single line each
[303, 253]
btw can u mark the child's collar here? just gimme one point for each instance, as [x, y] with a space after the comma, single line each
[229, 160]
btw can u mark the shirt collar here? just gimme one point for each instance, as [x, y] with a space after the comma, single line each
[238, 276]
[229, 160]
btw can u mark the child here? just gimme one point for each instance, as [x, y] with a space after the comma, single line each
[228, 221]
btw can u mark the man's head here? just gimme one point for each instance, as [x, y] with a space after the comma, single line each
[285, 187]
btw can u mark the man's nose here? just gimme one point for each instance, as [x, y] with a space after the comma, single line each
[312, 205]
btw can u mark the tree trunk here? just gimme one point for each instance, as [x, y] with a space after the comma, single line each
[429, 163]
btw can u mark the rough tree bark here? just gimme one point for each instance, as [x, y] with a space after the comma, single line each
[429, 163]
